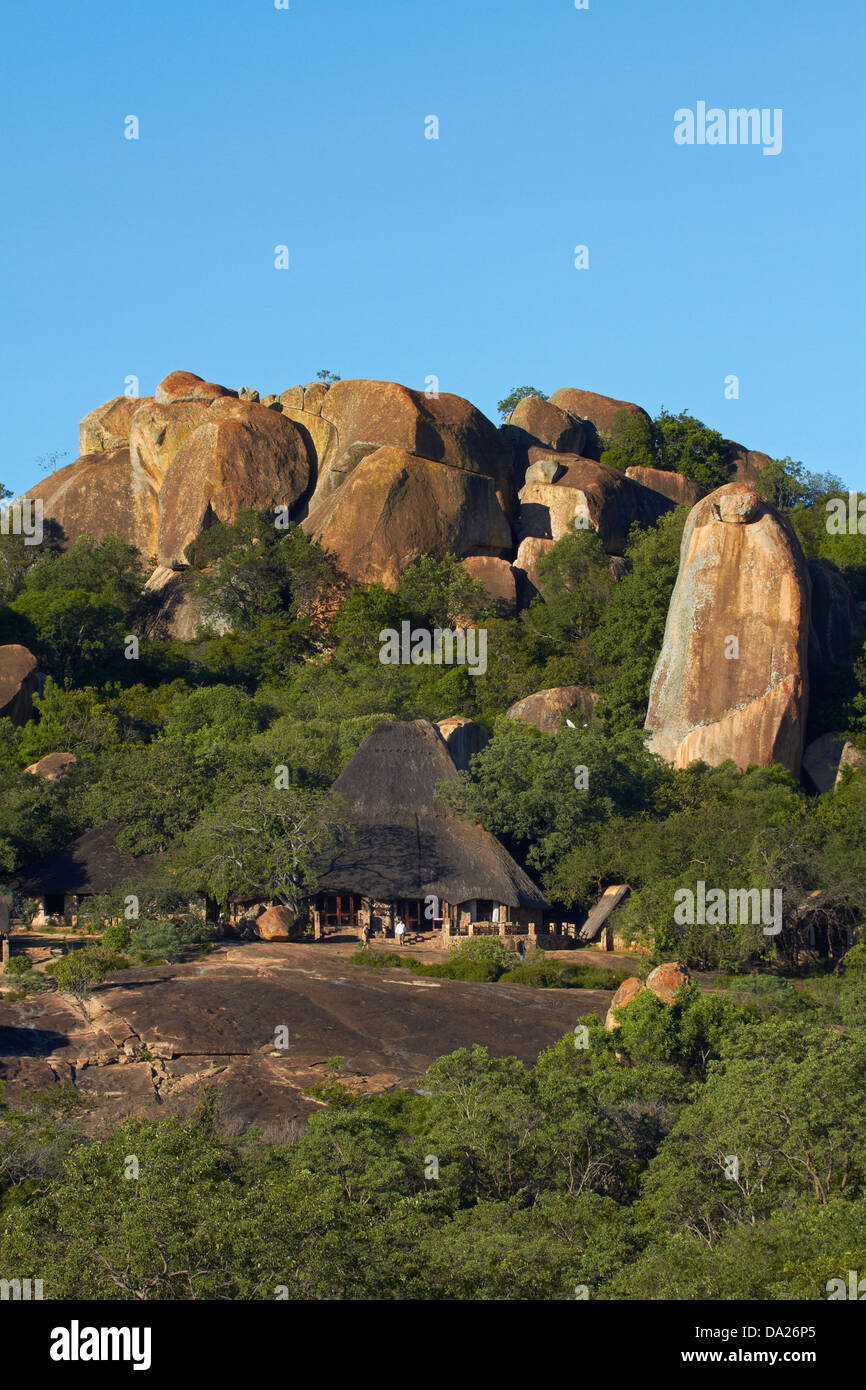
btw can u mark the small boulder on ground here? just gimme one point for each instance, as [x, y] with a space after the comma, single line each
[277, 924]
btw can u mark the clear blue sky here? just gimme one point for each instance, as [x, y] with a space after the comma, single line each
[453, 257]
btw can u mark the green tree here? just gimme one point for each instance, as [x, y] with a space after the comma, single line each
[515, 396]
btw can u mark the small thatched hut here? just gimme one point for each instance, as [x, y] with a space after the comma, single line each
[91, 864]
[410, 856]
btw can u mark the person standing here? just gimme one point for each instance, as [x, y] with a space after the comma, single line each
[521, 948]
[399, 930]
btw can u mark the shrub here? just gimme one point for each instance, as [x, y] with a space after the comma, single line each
[116, 937]
[18, 966]
[77, 972]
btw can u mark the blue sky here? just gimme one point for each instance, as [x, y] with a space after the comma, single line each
[453, 257]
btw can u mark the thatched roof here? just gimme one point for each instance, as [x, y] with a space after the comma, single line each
[610, 898]
[91, 864]
[408, 846]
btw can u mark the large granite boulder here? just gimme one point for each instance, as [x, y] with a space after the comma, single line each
[535, 422]
[666, 979]
[731, 679]
[107, 427]
[601, 412]
[683, 492]
[463, 738]
[186, 386]
[628, 990]
[588, 495]
[169, 608]
[745, 464]
[157, 432]
[443, 428]
[395, 507]
[546, 709]
[17, 683]
[244, 455]
[498, 579]
[53, 767]
[100, 493]
[526, 573]
[836, 623]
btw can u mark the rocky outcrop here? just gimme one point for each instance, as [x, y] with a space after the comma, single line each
[395, 507]
[463, 738]
[745, 464]
[100, 493]
[186, 386]
[443, 428]
[836, 623]
[158, 431]
[546, 709]
[731, 680]
[536, 423]
[588, 495]
[498, 579]
[683, 492]
[825, 758]
[53, 767]
[17, 683]
[169, 608]
[107, 427]
[244, 455]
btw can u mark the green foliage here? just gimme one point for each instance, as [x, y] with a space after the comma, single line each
[78, 971]
[117, 938]
[17, 966]
[679, 443]
[515, 396]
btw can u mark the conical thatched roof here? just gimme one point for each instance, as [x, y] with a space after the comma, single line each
[406, 844]
[91, 864]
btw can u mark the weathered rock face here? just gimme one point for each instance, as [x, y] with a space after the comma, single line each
[742, 576]
[525, 567]
[186, 386]
[108, 426]
[825, 758]
[463, 738]
[244, 455]
[588, 495]
[546, 709]
[445, 429]
[277, 924]
[684, 492]
[498, 579]
[836, 621]
[157, 432]
[53, 767]
[17, 683]
[396, 507]
[169, 609]
[745, 464]
[100, 493]
[628, 990]
[534, 422]
[600, 411]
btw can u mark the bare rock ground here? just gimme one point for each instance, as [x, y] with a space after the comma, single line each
[152, 1039]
